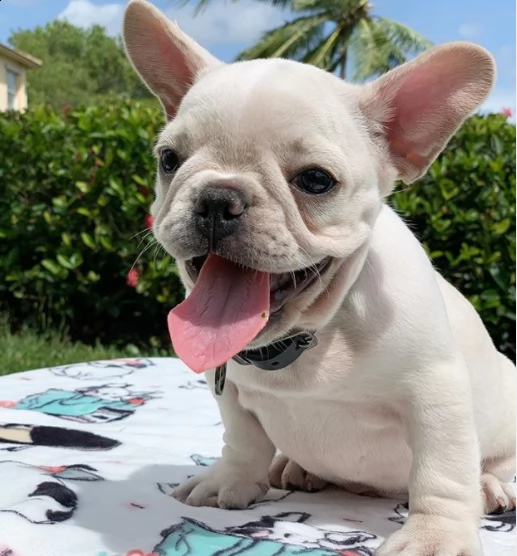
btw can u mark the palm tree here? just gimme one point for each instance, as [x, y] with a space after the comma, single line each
[331, 33]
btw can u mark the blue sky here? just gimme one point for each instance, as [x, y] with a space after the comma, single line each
[227, 27]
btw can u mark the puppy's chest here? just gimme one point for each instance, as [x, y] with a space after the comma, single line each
[340, 440]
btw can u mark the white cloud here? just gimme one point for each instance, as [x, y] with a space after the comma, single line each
[84, 13]
[243, 21]
[221, 22]
[468, 30]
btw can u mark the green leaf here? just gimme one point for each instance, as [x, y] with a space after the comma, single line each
[139, 180]
[75, 260]
[59, 202]
[88, 240]
[63, 261]
[93, 276]
[501, 227]
[82, 186]
[106, 243]
[116, 186]
[51, 266]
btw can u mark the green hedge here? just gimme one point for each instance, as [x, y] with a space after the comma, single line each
[463, 211]
[76, 188]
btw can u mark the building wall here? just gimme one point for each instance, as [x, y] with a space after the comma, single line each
[21, 96]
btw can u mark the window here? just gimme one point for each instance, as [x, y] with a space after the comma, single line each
[12, 89]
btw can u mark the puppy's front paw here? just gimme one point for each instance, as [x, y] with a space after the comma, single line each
[424, 535]
[221, 487]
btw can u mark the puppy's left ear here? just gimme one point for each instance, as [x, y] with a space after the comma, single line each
[167, 60]
[418, 106]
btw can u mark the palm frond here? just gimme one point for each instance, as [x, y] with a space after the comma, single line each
[300, 6]
[291, 40]
[407, 39]
[276, 3]
[334, 8]
[321, 55]
[379, 45]
[364, 49]
[376, 44]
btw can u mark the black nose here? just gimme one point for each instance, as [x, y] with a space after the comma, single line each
[217, 213]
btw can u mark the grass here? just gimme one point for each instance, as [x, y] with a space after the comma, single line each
[27, 350]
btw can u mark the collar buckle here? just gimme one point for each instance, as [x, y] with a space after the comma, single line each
[279, 354]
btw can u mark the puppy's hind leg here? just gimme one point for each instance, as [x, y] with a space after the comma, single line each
[499, 467]
[286, 474]
[498, 495]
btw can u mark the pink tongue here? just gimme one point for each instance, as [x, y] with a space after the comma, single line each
[227, 308]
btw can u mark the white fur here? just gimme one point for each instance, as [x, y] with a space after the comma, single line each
[405, 391]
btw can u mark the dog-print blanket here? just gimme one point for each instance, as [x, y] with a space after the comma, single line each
[89, 454]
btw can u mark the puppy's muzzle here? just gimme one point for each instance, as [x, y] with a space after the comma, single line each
[218, 212]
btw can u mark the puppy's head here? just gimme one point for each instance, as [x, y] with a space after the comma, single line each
[282, 167]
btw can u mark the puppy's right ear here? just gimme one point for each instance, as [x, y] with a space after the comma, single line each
[167, 60]
[419, 105]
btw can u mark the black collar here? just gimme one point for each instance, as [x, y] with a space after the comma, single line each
[272, 357]
[279, 354]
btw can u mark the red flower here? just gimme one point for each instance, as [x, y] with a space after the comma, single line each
[148, 221]
[507, 112]
[144, 190]
[66, 109]
[132, 278]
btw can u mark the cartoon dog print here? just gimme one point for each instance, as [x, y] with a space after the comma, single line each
[39, 494]
[103, 370]
[285, 534]
[401, 513]
[194, 384]
[503, 523]
[92, 404]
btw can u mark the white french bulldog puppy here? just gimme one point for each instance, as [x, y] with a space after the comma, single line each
[270, 195]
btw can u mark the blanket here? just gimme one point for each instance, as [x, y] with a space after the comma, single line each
[89, 454]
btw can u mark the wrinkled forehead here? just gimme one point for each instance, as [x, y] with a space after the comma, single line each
[250, 104]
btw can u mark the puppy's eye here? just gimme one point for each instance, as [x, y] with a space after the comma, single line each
[314, 181]
[169, 161]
